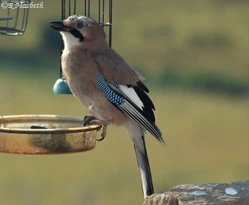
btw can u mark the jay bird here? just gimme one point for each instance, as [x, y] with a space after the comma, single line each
[107, 86]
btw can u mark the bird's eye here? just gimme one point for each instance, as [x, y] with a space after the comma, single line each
[79, 25]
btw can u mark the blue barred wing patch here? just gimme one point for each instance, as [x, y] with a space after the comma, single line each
[109, 93]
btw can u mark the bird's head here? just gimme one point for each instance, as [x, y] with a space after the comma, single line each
[77, 30]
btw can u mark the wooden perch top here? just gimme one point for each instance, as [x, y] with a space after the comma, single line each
[236, 193]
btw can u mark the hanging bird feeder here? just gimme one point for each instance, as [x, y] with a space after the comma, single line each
[50, 134]
[13, 18]
[99, 10]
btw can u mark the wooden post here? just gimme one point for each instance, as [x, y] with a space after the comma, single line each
[236, 193]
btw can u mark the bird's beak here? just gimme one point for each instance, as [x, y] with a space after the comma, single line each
[59, 26]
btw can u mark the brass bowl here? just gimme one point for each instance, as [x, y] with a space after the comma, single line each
[45, 134]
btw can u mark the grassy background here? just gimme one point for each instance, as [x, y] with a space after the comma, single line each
[207, 36]
[206, 132]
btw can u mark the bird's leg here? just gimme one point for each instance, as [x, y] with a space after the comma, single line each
[91, 120]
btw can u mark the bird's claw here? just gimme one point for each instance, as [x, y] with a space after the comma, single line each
[88, 120]
[91, 120]
[100, 139]
[103, 134]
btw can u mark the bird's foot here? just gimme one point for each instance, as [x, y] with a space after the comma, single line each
[88, 120]
[91, 120]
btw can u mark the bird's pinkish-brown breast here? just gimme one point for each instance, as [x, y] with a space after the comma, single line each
[80, 71]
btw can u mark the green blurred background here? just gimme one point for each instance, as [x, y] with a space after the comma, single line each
[194, 55]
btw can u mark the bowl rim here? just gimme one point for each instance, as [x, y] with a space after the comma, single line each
[20, 118]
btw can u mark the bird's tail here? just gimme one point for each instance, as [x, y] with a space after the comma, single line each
[144, 166]
[137, 134]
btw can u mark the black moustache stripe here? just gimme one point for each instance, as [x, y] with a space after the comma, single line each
[76, 34]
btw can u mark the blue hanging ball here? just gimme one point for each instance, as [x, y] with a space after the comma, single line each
[61, 87]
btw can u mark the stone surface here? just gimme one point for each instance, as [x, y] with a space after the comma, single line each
[236, 193]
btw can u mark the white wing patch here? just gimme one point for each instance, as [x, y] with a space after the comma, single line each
[132, 95]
